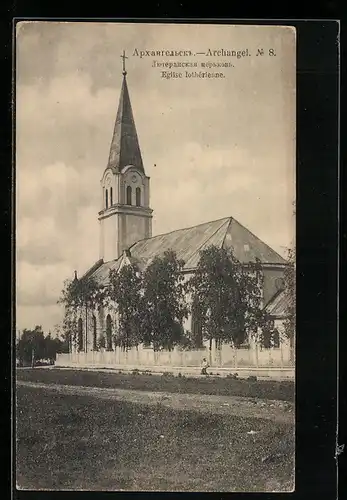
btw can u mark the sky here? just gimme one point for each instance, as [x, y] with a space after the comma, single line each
[212, 147]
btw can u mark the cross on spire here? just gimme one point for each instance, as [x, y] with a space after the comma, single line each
[123, 56]
[125, 149]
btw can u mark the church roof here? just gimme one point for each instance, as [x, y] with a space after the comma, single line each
[278, 305]
[125, 149]
[187, 243]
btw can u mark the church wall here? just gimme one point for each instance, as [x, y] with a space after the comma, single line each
[270, 287]
[110, 238]
[133, 229]
[148, 227]
[100, 323]
[146, 197]
[134, 179]
[117, 188]
[101, 239]
[108, 181]
[120, 229]
[121, 190]
[226, 358]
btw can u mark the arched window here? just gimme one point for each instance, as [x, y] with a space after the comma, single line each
[108, 333]
[129, 195]
[276, 339]
[197, 330]
[111, 197]
[106, 198]
[80, 334]
[266, 339]
[94, 334]
[138, 197]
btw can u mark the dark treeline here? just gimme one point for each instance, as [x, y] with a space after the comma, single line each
[34, 347]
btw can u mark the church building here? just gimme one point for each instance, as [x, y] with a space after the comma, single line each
[125, 219]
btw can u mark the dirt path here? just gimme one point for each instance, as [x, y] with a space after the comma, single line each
[223, 405]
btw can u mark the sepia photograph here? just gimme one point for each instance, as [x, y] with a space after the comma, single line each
[155, 256]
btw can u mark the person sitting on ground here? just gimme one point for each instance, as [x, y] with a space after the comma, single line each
[204, 366]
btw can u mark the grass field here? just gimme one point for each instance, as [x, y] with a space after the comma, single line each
[265, 389]
[81, 442]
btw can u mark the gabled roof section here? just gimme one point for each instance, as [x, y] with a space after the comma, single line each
[188, 242]
[247, 247]
[101, 275]
[223, 233]
[278, 305]
[92, 270]
[185, 242]
[140, 263]
[125, 149]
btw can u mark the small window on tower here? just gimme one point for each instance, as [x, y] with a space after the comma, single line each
[138, 197]
[129, 195]
[111, 197]
[106, 198]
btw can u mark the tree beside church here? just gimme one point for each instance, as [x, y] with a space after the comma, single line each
[227, 298]
[125, 293]
[164, 304]
[150, 306]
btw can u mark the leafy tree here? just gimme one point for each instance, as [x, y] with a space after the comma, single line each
[188, 342]
[101, 343]
[79, 295]
[62, 339]
[52, 346]
[163, 302]
[289, 289]
[125, 292]
[31, 346]
[49, 352]
[226, 297]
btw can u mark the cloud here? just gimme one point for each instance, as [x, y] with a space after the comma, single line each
[29, 316]
[208, 184]
[198, 187]
[50, 205]
[56, 229]
[65, 103]
[39, 284]
[56, 189]
[38, 241]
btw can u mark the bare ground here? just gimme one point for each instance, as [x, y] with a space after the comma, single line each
[217, 404]
[105, 439]
[211, 385]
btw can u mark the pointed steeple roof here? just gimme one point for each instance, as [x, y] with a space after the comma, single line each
[125, 149]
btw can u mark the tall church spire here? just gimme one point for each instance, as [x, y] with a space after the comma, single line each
[125, 149]
[125, 216]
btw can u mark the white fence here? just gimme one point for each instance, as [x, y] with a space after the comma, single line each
[226, 357]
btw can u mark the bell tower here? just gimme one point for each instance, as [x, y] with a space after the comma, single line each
[125, 216]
